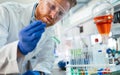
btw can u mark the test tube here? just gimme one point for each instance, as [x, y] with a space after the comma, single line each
[79, 72]
[72, 71]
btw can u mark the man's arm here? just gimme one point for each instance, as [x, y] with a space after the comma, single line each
[45, 57]
[8, 54]
[8, 59]
[19, 54]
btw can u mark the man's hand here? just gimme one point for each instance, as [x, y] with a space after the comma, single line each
[29, 36]
[32, 73]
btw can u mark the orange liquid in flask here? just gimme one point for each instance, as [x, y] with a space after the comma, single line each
[103, 24]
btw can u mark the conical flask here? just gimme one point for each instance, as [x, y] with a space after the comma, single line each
[102, 14]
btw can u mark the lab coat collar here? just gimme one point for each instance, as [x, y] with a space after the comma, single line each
[33, 13]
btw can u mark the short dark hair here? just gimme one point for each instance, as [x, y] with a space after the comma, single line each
[72, 3]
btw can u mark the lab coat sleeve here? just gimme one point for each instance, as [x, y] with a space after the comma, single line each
[8, 59]
[8, 52]
[4, 25]
[46, 57]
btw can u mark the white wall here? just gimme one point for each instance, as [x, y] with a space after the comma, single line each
[21, 1]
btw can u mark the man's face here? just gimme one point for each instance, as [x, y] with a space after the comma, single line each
[51, 11]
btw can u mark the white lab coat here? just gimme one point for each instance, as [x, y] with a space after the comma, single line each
[13, 17]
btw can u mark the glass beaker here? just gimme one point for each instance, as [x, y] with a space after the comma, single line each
[102, 14]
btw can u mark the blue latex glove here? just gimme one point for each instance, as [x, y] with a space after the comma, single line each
[29, 36]
[31, 73]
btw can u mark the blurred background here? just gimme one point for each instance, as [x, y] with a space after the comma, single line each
[21, 1]
[78, 45]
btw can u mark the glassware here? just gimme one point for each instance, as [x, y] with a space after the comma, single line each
[102, 14]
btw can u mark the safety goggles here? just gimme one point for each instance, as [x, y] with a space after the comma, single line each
[53, 5]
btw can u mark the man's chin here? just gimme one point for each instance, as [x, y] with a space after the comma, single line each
[48, 25]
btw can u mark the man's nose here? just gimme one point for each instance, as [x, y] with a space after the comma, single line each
[53, 14]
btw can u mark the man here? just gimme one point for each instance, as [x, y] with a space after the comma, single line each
[22, 37]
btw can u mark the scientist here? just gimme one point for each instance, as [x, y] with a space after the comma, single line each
[26, 32]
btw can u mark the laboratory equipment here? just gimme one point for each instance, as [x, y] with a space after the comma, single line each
[87, 59]
[92, 59]
[62, 65]
[102, 14]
